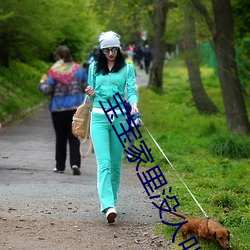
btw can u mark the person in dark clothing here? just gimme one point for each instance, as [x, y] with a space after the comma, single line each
[93, 55]
[65, 83]
[147, 54]
[138, 55]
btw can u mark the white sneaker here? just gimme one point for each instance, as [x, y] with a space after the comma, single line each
[58, 171]
[111, 214]
[130, 156]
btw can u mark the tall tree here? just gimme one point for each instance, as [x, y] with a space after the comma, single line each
[159, 44]
[201, 99]
[223, 38]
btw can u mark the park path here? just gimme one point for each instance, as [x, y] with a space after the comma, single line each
[43, 210]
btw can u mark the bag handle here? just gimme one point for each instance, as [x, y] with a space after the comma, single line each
[87, 137]
[85, 99]
[90, 149]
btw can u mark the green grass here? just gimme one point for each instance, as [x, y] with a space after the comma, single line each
[214, 164]
[19, 88]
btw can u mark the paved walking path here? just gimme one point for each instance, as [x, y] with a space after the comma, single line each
[32, 195]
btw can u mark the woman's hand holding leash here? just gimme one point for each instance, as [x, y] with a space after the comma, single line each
[134, 109]
[90, 91]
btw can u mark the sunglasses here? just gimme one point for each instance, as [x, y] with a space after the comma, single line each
[106, 51]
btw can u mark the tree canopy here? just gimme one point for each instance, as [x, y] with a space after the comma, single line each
[27, 32]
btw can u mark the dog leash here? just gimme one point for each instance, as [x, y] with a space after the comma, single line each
[175, 170]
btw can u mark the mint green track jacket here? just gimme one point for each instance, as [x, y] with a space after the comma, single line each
[122, 82]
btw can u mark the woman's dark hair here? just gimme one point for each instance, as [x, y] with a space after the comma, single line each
[102, 67]
[63, 52]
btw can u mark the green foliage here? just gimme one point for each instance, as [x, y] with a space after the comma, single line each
[219, 183]
[28, 33]
[175, 25]
[231, 146]
[243, 59]
[242, 37]
[128, 18]
[210, 129]
[241, 17]
[224, 200]
[19, 87]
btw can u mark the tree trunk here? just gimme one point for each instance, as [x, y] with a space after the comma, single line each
[159, 46]
[201, 99]
[235, 109]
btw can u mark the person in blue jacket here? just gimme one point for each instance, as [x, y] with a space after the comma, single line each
[107, 76]
[65, 83]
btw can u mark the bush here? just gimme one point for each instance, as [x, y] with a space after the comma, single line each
[231, 146]
[224, 200]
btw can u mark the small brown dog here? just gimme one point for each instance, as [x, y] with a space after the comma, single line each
[205, 229]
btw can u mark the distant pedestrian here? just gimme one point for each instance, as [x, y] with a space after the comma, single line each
[147, 54]
[65, 84]
[109, 78]
[138, 55]
[93, 55]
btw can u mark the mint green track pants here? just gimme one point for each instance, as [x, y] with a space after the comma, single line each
[108, 151]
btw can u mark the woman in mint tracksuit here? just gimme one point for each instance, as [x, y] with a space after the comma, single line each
[108, 75]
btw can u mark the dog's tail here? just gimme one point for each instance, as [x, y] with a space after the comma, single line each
[178, 215]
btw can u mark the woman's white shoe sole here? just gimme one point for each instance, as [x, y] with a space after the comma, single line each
[111, 215]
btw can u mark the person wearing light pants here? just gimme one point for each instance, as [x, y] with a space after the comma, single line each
[109, 75]
[109, 151]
